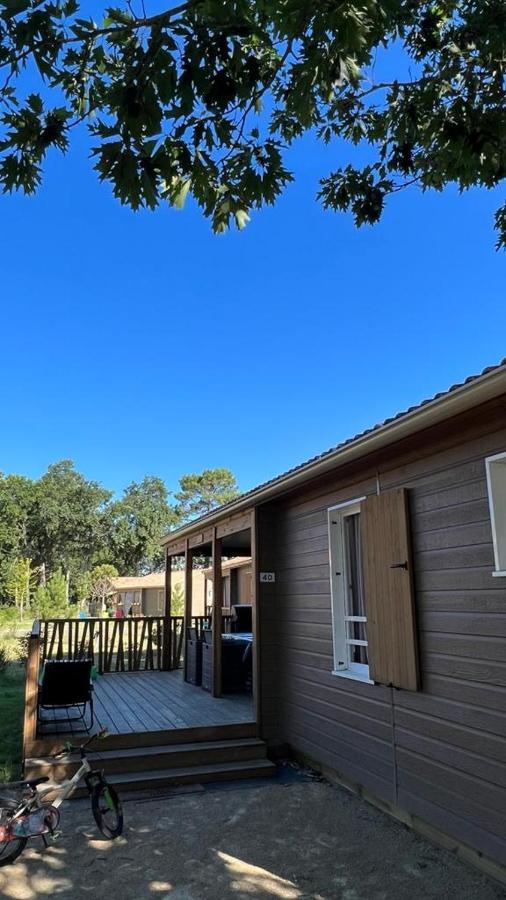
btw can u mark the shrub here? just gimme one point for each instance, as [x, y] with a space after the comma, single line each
[4, 658]
[22, 654]
[50, 600]
[177, 600]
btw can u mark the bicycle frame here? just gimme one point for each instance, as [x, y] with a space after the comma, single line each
[45, 797]
[65, 789]
[60, 792]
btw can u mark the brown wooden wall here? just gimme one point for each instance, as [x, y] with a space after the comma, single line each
[439, 753]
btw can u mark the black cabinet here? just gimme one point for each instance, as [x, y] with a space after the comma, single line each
[194, 661]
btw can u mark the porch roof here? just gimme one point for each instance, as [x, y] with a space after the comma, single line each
[136, 582]
[237, 562]
[474, 390]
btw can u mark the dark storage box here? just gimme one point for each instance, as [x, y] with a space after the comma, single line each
[194, 661]
[207, 666]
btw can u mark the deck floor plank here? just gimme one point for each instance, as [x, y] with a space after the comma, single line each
[140, 715]
[122, 715]
[179, 708]
[154, 701]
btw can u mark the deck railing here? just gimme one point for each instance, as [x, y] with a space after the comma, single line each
[132, 644]
[114, 645]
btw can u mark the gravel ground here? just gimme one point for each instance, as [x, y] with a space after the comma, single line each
[301, 839]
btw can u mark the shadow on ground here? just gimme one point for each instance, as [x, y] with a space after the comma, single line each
[291, 838]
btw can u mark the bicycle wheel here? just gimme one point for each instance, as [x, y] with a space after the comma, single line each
[10, 850]
[107, 810]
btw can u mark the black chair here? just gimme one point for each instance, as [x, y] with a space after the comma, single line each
[66, 684]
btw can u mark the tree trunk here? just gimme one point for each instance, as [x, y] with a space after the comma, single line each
[26, 600]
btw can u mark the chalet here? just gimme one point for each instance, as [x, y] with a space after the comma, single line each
[145, 594]
[379, 625]
[377, 649]
[236, 586]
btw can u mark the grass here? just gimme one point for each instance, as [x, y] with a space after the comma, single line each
[12, 695]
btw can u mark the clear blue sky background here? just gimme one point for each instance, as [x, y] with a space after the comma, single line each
[142, 344]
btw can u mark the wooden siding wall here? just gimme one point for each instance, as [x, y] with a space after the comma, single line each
[440, 753]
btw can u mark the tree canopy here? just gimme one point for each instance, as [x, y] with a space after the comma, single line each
[199, 494]
[63, 529]
[137, 521]
[204, 97]
[67, 512]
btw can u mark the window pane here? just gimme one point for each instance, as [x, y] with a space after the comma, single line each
[358, 654]
[355, 591]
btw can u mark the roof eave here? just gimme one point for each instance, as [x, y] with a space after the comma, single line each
[460, 399]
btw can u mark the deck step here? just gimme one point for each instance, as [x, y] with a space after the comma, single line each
[43, 746]
[138, 781]
[160, 757]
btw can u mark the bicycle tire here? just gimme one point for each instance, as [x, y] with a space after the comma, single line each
[107, 810]
[17, 846]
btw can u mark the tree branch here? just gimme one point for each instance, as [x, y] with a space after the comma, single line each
[109, 31]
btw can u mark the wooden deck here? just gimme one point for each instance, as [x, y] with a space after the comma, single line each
[136, 702]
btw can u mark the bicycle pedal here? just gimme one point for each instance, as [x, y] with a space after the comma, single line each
[55, 836]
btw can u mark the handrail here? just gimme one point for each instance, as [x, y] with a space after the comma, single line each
[130, 644]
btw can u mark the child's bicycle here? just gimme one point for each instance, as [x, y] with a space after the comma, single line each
[34, 816]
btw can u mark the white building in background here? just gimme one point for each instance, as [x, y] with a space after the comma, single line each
[146, 593]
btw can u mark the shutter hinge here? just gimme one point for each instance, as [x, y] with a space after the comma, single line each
[403, 565]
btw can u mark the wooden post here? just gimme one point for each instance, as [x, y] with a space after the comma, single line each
[255, 599]
[217, 624]
[167, 623]
[188, 588]
[31, 689]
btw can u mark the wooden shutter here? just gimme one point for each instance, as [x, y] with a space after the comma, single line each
[388, 590]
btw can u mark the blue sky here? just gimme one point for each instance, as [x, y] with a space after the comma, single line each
[142, 344]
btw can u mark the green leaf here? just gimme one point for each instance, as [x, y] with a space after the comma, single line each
[35, 103]
[241, 218]
[178, 196]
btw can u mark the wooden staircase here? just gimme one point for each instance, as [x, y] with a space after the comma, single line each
[162, 758]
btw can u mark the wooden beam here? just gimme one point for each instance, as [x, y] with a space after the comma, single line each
[167, 624]
[31, 688]
[255, 600]
[230, 525]
[217, 623]
[203, 537]
[188, 588]
[176, 548]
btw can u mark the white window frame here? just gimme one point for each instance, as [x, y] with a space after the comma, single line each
[497, 498]
[343, 666]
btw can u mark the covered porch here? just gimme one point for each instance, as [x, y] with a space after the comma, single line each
[234, 537]
[164, 724]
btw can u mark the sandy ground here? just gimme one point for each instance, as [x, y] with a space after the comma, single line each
[301, 839]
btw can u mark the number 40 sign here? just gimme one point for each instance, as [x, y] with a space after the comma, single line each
[267, 577]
